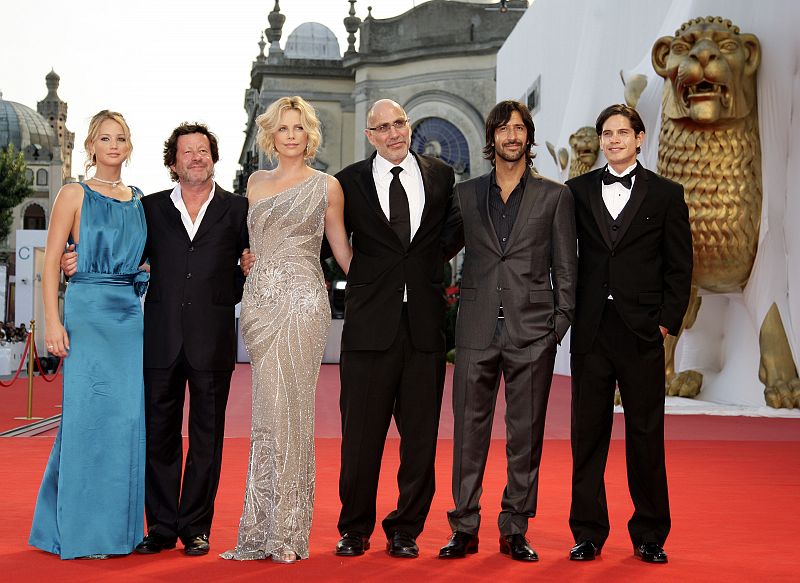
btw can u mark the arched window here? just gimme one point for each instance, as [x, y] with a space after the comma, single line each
[29, 175]
[438, 137]
[41, 177]
[34, 218]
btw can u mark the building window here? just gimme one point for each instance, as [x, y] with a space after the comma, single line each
[34, 218]
[41, 177]
[439, 138]
[533, 97]
[29, 175]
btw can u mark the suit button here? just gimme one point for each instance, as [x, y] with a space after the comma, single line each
[613, 254]
[502, 258]
[188, 276]
[399, 289]
[605, 284]
[191, 247]
[499, 288]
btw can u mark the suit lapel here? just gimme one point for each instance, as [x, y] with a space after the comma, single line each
[429, 191]
[638, 193]
[370, 192]
[216, 208]
[529, 196]
[598, 206]
[483, 190]
[172, 216]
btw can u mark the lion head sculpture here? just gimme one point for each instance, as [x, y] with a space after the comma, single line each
[585, 145]
[711, 67]
[709, 142]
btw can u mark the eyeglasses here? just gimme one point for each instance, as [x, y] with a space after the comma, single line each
[384, 128]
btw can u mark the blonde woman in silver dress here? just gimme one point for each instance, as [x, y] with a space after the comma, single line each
[284, 320]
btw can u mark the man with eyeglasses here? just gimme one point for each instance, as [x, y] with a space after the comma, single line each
[393, 344]
[517, 300]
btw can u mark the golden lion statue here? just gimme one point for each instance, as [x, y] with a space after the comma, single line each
[710, 143]
[585, 144]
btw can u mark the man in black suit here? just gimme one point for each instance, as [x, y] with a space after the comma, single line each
[392, 360]
[634, 278]
[517, 299]
[196, 233]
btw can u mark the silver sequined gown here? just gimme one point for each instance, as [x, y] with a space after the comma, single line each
[284, 321]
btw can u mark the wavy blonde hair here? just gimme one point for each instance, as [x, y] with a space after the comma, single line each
[269, 121]
[94, 131]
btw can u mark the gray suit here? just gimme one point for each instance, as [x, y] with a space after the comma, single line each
[533, 279]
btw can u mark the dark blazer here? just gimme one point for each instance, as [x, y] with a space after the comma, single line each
[194, 284]
[534, 277]
[381, 266]
[648, 270]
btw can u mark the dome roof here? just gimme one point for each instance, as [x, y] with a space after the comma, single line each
[312, 40]
[23, 127]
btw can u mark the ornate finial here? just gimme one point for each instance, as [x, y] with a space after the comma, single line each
[276, 20]
[369, 12]
[261, 44]
[351, 24]
[52, 80]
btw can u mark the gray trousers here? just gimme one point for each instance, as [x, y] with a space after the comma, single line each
[528, 373]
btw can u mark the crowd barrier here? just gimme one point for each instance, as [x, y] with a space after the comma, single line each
[10, 352]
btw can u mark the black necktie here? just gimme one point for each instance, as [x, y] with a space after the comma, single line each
[399, 215]
[625, 181]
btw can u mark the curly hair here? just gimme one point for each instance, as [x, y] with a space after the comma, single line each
[269, 121]
[171, 145]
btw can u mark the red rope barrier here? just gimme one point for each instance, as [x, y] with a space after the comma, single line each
[43, 376]
[19, 368]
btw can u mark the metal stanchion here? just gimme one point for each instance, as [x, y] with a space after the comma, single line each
[31, 357]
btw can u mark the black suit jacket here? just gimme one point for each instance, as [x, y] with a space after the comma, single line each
[648, 270]
[194, 284]
[381, 267]
[534, 277]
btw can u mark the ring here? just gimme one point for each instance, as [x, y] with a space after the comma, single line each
[50, 347]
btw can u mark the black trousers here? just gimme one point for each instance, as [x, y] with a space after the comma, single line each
[528, 373]
[174, 508]
[404, 382]
[618, 356]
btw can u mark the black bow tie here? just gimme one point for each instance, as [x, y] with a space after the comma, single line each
[625, 181]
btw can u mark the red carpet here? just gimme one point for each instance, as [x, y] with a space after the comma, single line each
[734, 486]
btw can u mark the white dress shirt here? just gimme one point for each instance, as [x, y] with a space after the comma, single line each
[616, 196]
[410, 178]
[177, 200]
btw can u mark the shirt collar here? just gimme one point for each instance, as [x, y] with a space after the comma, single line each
[176, 197]
[523, 181]
[624, 172]
[384, 167]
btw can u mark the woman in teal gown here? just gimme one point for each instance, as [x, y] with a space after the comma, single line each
[91, 501]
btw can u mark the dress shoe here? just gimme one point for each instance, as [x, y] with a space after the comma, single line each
[152, 544]
[518, 548]
[650, 553]
[584, 551]
[196, 546]
[352, 545]
[402, 545]
[461, 544]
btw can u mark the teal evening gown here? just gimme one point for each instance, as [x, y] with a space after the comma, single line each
[91, 500]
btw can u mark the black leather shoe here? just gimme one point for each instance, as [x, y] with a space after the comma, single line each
[461, 544]
[650, 553]
[517, 546]
[584, 551]
[352, 545]
[152, 544]
[402, 545]
[196, 546]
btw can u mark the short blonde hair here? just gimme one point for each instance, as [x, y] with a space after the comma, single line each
[269, 121]
[94, 131]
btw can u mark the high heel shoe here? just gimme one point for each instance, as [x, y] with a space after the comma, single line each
[285, 557]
